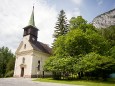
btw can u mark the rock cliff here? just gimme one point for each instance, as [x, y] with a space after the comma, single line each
[104, 20]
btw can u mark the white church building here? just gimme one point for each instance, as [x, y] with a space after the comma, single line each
[31, 54]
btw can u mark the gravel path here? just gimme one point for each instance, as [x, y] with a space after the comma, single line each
[27, 82]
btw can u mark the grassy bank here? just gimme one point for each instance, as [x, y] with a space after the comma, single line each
[78, 82]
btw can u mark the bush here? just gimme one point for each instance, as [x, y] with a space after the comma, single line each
[96, 66]
[56, 75]
[9, 74]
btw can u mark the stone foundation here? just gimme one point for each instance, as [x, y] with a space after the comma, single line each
[32, 76]
[16, 76]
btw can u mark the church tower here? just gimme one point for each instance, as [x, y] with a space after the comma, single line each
[31, 54]
[31, 29]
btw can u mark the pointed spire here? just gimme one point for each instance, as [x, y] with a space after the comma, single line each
[31, 21]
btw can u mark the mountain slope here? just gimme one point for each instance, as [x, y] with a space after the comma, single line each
[104, 20]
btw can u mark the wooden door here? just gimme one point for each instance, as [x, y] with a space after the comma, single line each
[22, 71]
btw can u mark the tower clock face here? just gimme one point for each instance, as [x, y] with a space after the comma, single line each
[33, 39]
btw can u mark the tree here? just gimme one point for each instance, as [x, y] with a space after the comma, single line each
[98, 43]
[109, 34]
[70, 51]
[60, 66]
[59, 46]
[5, 58]
[77, 42]
[112, 52]
[61, 25]
[77, 22]
[95, 65]
[10, 65]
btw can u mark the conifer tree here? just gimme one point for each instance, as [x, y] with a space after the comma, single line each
[61, 27]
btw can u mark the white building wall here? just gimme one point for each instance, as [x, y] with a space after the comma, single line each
[31, 60]
[26, 42]
[27, 67]
[25, 51]
[38, 56]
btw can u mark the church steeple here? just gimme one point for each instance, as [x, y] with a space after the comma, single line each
[31, 30]
[31, 21]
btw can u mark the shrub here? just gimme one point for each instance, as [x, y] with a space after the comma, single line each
[9, 74]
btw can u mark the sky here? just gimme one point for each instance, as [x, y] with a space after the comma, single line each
[15, 14]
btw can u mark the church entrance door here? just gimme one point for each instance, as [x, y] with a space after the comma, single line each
[22, 71]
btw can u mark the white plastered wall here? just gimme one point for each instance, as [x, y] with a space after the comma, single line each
[27, 68]
[38, 56]
[26, 42]
[31, 59]
[24, 52]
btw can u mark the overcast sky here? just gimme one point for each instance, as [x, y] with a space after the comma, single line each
[15, 14]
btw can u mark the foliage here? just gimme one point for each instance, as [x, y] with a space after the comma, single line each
[109, 34]
[80, 23]
[72, 53]
[59, 46]
[10, 65]
[77, 22]
[61, 25]
[98, 43]
[77, 42]
[96, 65]
[5, 58]
[9, 73]
[59, 64]
[112, 52]
[71, 47]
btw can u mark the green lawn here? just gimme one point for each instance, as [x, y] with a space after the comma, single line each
[78, 82]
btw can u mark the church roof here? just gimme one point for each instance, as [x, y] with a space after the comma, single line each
[39, 46]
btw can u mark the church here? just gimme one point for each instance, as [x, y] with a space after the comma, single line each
[31, 54]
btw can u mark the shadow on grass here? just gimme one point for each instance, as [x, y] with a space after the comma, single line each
[108, 81]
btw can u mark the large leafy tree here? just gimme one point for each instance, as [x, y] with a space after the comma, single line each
[79, 22]
[61, 27]
[95, 65]
[76, 22]
[6, 61]
[71, 49]
[77, 42]
[59, 46]
[60, 66]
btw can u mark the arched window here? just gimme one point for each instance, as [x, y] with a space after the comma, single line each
[25, 46]
[38, 62]
[38, 65]
[23, 60]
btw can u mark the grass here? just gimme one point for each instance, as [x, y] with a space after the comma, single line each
[78, 82]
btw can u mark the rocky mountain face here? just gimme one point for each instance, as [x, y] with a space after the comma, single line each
[104, 20]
